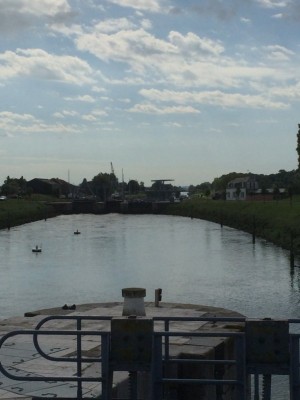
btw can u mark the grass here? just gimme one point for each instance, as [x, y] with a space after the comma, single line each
[20, 211]
[275, 221]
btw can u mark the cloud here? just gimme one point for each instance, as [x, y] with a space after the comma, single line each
[245, 20]
[279, 53]
[66, 113]
[155, 6]
[134, 47]
[152, 109]
[291, 92]
[94, 115]
[14, 123]
[273, 3]
[185, 60]
[114, 25]
[213, 98]
[84, 98]
[37, 63]
[20, 14]
[193, 44]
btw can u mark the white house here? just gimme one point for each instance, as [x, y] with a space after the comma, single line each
[240, 188]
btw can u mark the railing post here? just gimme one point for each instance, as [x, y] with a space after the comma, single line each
[294, 368]
[241, 376]
[79, 363]
[167, 328]
[106, 373]
[157, 368]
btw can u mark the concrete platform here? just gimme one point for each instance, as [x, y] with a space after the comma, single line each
[20, 356]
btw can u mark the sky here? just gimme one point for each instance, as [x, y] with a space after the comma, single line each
[159, 89]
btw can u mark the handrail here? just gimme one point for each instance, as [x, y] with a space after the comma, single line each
[161, 350]
[65, 359]
[78, 319]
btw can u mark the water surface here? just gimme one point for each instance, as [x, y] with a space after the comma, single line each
[193, 261]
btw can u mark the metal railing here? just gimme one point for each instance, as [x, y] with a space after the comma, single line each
[172, 371]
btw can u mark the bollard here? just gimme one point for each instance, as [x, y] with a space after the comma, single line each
[157, 296]
[134, 301]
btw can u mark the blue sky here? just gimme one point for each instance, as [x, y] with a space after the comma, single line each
[187, 89]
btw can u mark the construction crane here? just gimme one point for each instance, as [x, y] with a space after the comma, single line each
[112, 168]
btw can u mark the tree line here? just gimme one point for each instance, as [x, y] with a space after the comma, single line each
[104, 185]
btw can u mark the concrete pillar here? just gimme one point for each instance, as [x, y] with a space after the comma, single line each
[134, 301]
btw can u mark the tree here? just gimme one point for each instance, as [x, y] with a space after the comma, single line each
[13, 186]
[133, 187]
[104, 184]
[298, 146]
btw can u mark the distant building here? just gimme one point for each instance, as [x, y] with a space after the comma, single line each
[241, 188]
[54, 187]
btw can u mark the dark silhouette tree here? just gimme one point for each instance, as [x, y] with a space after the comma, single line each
[133, 186]
[298, 146]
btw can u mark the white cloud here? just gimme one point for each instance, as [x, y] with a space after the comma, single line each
[152, 109]
[14, 123]
[40, 7]
[94, 115]
[272, 3]
[114, 25]
[288, 91]
[182, 60]
[35, 7]
[9, 117]
[16, 15]
[279, 53]
[245, 20]
[193, 44]
[142, 5]
[85, 98]
[39, 64]
[214, 98]
[66, 30]
[134, 47]
[66, 113]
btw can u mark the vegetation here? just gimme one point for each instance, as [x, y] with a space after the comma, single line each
[275, 221]
[21, 211]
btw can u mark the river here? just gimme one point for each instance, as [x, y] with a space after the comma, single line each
[193, 261]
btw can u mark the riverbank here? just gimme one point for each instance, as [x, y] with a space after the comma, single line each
[15, 212]
[275, 221]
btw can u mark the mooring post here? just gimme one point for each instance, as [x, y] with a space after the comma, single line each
[292, 256]
[253, 229]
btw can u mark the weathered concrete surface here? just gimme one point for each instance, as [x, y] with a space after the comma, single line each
[20, 355]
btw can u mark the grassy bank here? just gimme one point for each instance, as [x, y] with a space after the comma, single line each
[21, 211]
[275, 221]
